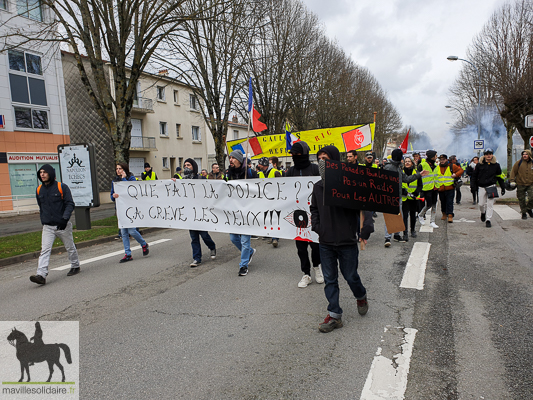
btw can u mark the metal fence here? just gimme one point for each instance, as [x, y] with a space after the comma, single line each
[141, 142]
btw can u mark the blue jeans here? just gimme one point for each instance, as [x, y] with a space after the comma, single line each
[446, 201]
[242, 242]
[125, 233]
[195, 243]
[348, 261]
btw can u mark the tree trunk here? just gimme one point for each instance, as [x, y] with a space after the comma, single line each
[510, 131]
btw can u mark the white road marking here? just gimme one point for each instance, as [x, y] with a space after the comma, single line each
[506, 212]
[387, 378]
[463, 220]
[104, 256]
[415, 271]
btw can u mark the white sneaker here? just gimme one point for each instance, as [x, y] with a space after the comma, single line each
[422, 220]
[319, 277]
[306, 280]
[433, 225]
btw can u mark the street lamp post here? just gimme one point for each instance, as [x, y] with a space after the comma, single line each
[455, 58]
[459, 111]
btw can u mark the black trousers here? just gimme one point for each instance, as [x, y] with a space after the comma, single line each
[409, 209]
[304, 255]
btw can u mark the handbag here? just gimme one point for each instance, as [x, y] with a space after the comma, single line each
[457, 183]
[492, 192]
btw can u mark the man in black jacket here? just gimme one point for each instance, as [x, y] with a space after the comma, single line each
[55, 207]
[238, 169]
[303, 167]
[485, 176]
[337, 231]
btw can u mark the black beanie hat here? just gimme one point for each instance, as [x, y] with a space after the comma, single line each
[397, 155]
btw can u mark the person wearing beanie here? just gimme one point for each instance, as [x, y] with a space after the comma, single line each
[237, 170]
[177, 175]
[148, 174]
[429, 193]
[395, 164]
[445, 176]
[369, 160]
[190, 168]
[55, 208]
[338, 242]
[303, 167]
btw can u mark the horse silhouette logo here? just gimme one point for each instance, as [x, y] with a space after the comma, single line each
[29, 353]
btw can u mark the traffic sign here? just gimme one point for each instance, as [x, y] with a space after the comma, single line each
[529, 121]
[479, 144]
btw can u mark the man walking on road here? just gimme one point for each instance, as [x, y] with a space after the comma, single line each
[445, 175]
[485, 176]
[428, 188]
[453, 161]
[336, 228]
[238, 170]
[522, 176]
[55, 208]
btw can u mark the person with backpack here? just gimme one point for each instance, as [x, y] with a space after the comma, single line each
[55, 208]
[123, 174]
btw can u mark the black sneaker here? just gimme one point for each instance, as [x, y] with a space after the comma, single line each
[329, 324]
[405, 238]
[146, 250]
[73, 271]
[397, 237]
[530, 212]
[387, 242]
[213, 254]
[487, 224]
[524, 216]
[126, 258]
[243, 271]
[251, 256]
[482, 217]
[38, 279]
[195, 263]
[413, 234]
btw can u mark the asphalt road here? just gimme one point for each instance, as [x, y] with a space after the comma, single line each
[155, 328]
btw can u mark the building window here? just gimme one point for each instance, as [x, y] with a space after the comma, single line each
[196, 134]
[3, 4]
[28, 89]
[199, 163]
[178, 127]
[161, 93]
[30, 9]
[176, 97]
[165, 163]
[194, 102]
[235, 134]
[163, 129]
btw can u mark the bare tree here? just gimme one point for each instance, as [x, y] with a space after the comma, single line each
[120, 33]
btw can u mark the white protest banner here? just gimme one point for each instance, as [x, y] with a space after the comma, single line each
[264, 207]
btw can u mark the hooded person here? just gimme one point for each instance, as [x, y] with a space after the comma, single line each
[303, 167]
[338, 242]
[522, 178]
[190, 168]
[148, 174]
[55, 209]
[395, 164]
[486, 175]
[428, 188]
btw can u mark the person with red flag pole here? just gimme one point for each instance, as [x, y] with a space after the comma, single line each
[253, 121]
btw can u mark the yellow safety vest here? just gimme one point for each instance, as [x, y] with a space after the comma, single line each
[428, 181]
[151, 177]
[177, 176]
[444, 179]
[271, 174]
[411, 187]
[373, 165]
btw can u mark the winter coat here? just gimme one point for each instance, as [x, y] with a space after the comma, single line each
[335, 226]
[486, 174]
[522, 172]
[238, 173]
[54, 207]
[396, 166]
[311, 170]
[131, 177]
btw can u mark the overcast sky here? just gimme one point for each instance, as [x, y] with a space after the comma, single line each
[405, 43]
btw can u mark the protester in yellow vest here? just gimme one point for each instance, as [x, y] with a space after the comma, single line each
[266, 170]
[148, 174]
[369, 160]
[428, 187]
[444, 183]
[177, 175]
[410, 192]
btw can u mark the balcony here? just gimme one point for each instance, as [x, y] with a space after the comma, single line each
[141, 143]
[143, 105]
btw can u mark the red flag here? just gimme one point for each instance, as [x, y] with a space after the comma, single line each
[403, 146]
[257, 126]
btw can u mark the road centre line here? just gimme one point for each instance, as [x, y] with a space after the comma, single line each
[506, 213]
[104, 256]
[415, 271]
[387, 378]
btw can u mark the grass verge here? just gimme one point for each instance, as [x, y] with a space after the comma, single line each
[29, 242]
